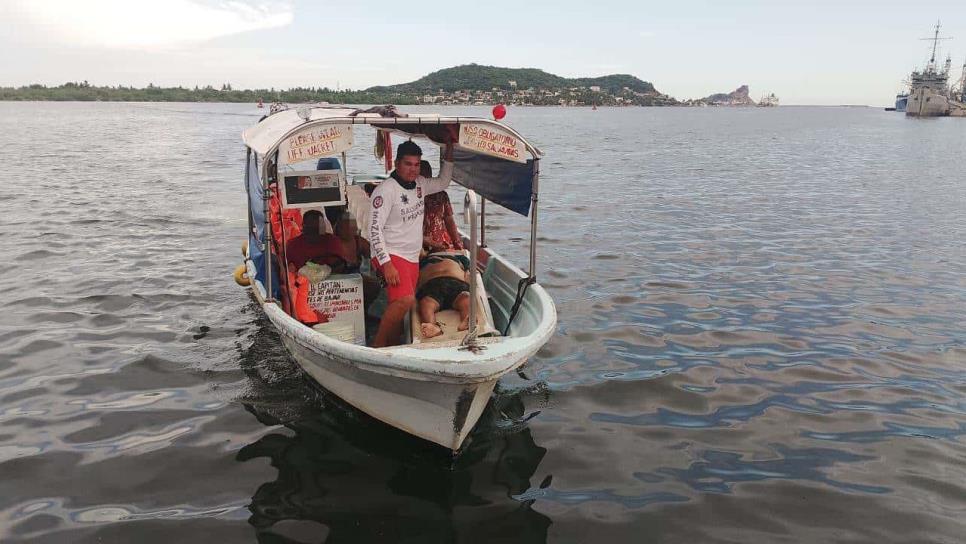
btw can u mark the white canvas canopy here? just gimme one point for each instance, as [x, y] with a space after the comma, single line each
[266, 136]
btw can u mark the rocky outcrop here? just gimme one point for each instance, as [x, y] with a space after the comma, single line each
[738, 97]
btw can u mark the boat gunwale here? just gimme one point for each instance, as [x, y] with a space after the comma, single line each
[419, 364]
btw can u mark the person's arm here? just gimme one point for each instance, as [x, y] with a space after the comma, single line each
[440, 183]
[382, 202]
[363, 246]
[331, 253]
[430, 245]
[379, 208]
[454, 233]
[294, 253]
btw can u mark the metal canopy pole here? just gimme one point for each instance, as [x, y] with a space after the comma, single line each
[469, 208]
[266, 196]
[531, 278]
[533, 218]
[248, 193]
[482, 222]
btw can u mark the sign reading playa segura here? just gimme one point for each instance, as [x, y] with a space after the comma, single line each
[324, 141]
[493, 141]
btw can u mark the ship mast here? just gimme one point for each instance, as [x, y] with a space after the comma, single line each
[935, 43]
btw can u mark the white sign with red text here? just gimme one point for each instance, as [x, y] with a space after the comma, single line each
[493, 141]
[315, 142]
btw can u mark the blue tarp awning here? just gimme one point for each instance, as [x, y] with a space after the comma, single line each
[256, 213]
[509, 184]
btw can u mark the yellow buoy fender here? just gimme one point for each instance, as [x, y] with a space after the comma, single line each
[241, 275]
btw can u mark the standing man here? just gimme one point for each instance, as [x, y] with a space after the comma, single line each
[396, 233]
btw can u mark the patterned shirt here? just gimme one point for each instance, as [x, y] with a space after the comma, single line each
[438, 208]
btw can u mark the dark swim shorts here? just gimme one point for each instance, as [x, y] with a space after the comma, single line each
[443, 290]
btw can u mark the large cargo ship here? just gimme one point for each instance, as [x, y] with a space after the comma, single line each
[768, 101]
[929, 87]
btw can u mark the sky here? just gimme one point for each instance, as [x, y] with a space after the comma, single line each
[815, 52]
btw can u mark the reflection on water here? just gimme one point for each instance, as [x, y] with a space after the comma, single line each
[344, 477]
[359, 487]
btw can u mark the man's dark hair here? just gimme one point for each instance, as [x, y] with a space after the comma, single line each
[408, 148]
[312, 212]
[333, 214]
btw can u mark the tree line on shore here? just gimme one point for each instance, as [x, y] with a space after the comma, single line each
[83, 91]
[464, 84]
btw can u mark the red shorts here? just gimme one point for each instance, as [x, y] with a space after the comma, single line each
[408, 277]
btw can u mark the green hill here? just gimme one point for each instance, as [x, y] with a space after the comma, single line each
[475, 77]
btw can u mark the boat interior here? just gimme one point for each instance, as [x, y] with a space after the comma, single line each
[504, 305]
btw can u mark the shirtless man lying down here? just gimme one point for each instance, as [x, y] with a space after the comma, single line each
[443, 285]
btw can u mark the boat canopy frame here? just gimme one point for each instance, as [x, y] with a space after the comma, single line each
[265, 138]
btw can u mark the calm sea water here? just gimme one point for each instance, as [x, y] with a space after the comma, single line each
[762, 339]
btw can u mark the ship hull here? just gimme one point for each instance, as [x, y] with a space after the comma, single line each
[925, 102]
[901, 102]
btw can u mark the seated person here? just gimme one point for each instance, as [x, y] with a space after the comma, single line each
[314, 246]
[439, 228]
[355, 248]
[443, 285]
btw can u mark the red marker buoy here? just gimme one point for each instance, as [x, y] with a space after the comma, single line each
[499, 111]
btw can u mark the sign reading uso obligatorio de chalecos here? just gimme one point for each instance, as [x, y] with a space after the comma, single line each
[493, 141]
[316, 142]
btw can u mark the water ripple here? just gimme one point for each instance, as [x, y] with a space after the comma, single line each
[760, 339]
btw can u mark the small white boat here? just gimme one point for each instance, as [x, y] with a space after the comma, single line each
[435, 389]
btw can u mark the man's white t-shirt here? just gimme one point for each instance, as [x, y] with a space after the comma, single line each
[396, 216]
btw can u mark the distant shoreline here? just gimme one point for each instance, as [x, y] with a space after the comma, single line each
[578, 96]
[84, 92]
[367, 104]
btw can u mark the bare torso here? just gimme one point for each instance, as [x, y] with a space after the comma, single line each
[444, 268]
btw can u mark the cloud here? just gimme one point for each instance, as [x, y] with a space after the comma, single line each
[646, 34]
[128, 24]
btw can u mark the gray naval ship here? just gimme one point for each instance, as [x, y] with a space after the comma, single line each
[929, 92]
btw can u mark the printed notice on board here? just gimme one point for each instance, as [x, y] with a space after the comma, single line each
[493, 141]
[324, 141]
[335, 298]
[321, 180]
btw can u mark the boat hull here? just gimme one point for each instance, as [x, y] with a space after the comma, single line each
[434, 391]
[957, 108]
[925, 102]
[901, 102]
[443, 413]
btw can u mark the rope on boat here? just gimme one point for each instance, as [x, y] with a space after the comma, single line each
[522, 287]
